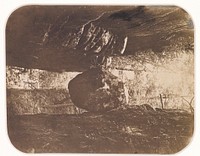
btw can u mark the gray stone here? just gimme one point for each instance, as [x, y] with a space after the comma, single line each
[96, 90]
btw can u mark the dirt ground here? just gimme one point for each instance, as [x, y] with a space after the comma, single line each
[128, 130]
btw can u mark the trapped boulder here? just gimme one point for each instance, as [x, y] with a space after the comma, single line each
[96, 90]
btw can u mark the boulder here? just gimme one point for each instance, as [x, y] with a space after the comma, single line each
[96, 90]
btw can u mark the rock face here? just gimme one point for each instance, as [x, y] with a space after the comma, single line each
[96, 90]
[68, 36]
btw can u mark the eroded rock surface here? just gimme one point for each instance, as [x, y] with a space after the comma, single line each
[96, 90]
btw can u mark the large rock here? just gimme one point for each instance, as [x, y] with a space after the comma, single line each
[96, 90]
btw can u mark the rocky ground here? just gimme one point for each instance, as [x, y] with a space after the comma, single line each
[139, 129]
[145, 40]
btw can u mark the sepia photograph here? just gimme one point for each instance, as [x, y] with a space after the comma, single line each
[100, 79]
